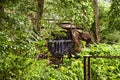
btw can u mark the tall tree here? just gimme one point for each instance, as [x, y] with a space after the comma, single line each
[1, 8]
[40, 8]
[96, 13]
[1, 11]
[39, 16]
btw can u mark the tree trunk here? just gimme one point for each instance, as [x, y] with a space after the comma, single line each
[40, 9]
[37, 28]
[96, 13]
[1, 11]
[1, 15]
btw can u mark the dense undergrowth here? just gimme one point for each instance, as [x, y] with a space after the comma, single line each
[16, 67]
[19, 44]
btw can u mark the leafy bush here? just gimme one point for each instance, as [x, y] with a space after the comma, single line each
[102, 69]
[112, 38]
[24, 67]
[19, 45]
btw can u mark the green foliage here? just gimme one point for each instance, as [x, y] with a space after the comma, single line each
[103, 49]
[78, 12]
[102, 69]
[15, 67]
[104, 9]
[107, 14]
[105, 69]
[19, 44]
[111, 38]
[114, 23]
[68, 71]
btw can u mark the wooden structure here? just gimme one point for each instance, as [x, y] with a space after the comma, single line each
[59, 47]
[87, 64]
[70, 43]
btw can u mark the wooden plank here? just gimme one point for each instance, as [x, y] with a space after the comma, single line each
[102, 56]
[60, 41]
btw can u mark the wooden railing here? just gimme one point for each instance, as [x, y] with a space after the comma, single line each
[87, 64]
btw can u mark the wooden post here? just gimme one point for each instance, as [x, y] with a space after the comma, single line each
[85, 78]
[89, 69]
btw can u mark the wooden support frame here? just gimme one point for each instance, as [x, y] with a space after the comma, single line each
[87, 64]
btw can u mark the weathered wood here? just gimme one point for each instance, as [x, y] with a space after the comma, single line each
[107, 57]
[87, 65]
[85, 71]
[60, 41]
